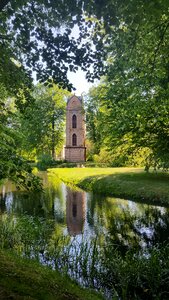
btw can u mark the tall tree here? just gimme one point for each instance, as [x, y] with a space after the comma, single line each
[12, 165]
[137, 100]
[43, 121]
[95, 116]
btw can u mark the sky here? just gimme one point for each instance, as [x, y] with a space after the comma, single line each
[79, 82]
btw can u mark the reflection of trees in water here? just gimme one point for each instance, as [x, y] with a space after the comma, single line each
[153, 226]
[2, 203]
[27, 202]
[75, 211]
[125, 224]
[145, 231]
[129, 225]
[34, 203]
[96, 211]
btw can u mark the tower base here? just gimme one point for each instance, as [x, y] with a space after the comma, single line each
[75, 154]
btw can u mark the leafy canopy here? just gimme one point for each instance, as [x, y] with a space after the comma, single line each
[136, 101]
[50, 38]
[43, 122]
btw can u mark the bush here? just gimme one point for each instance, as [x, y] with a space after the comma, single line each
[122, 156]
[45, 161]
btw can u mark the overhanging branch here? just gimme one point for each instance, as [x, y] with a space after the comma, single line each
[3, 3]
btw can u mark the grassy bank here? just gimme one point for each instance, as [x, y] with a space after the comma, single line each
[23, 279]
[130, 183]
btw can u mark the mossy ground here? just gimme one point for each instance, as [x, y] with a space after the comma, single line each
[129, 183]
[23, 279]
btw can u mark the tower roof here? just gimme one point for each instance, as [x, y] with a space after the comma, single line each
[74, 97]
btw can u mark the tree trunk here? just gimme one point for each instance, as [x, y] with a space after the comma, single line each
[53, 137]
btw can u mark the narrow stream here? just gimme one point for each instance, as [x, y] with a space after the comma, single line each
[69, 229]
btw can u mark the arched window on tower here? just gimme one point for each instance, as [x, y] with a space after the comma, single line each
[74, 140]
[74, 121]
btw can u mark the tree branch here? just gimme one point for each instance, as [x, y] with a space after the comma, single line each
[158, 48]
[3, 3]
[5, 37]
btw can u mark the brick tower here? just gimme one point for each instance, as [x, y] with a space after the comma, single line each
[75, 150]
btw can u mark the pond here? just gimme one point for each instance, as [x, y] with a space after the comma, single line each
[77, 232]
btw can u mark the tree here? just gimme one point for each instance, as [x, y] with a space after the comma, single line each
[12, 165]
[39, 34]
[43, 121]
[136, 103]
[95, 117]
[25, 39]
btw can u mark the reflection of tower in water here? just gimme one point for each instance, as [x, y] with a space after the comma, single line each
[75, 211]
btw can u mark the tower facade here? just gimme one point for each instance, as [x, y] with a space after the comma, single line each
[75, 150]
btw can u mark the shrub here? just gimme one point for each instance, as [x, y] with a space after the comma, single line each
[45, 161]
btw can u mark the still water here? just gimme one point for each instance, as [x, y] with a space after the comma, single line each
[71, 230]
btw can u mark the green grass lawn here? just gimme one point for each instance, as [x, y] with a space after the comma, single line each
[129, 183]
[24, 279]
